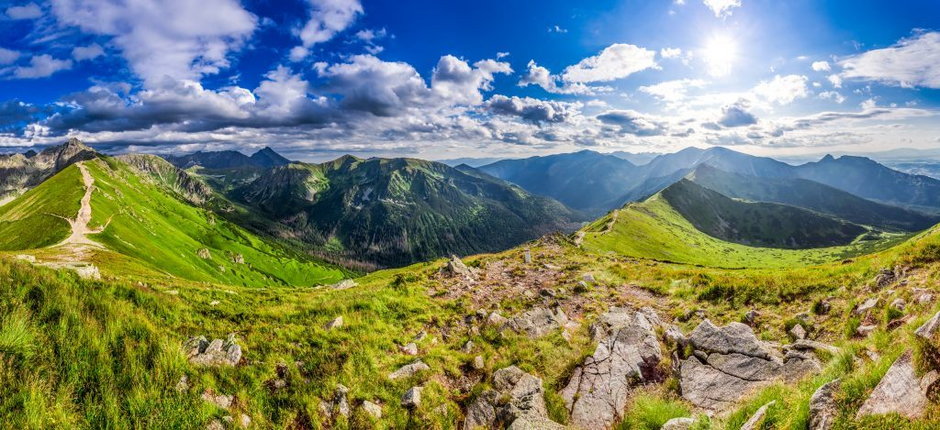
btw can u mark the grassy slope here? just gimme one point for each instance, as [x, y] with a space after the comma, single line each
[30, 221]
[653, 229]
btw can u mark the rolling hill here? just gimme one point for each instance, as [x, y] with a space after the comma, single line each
[400, 211]
[140, 222]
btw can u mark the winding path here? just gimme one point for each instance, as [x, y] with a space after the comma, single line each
[80, 228]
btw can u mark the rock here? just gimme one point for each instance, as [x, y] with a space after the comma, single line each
[866, 306]
[527, 257]
[898, 304]
[335, 323]
[467, 347]
[214, 303]
[589, 278]
[201, 352]
[238, 259]
[409, 370]
[755, 421]
[929, 329]
[865, 329]
[812, 345]
[884, 278]
[627, 354]
[751, 317]
[183, 384]
[220, 400]
[409, 349]
[215, 425]
[516, 398]
[538, 322]
[204, 253]
[373, 409]
[496, 320]
[823, 409]
[674, 336]
[798, 332]
[339, 405]
[478, 363]
[412, 398]
[924, 298]
[730, 362]
[345, 284]
[456, 269]
[244, 421]
[684, 423]
[898, 392]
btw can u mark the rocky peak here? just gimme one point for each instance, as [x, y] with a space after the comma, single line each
[267, 157]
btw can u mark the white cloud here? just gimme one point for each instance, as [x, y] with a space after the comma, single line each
[175, 39]
[8, 56]
[737, 115]
[672, 91]
[832, 95]
[670, 52]
[327, 18]
[89, 52]
[868, 104]
[722, 8]
[835, 80]
[912, 62]
[533, 110]
[782, 89]
[542, 77]
[614, 62]
[821, 66]
[41, 66]
[557, 29]
[27, 11]
[454, 79]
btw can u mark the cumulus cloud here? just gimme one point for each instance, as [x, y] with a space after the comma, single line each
[835, 80]
[672, 91]
[737, 115]
[670, 52]
[41, 66]
[175, 39]
[616, 61]
[327, 18]
[722, 8]
[8, 56]
[821, 66]
[89, 52]
[542, 77]
[782, 90]
[27, 11]
[633, 122]
[912, 62]
[454, 79]
[532, 110]
[832, 95]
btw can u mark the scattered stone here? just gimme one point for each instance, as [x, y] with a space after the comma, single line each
[898, 304]
[183, 384]
[900, 391]
[516, 398]
[684, 423]
[927, 336]
[674, 336]
[339, 404]
[496, 320]
[215, 425]
[751, 317]
[335, 323]
[220, 400]
[244, 421]
[420, 336]
[456, 269]
[538, 322]
[758, 417]
[373, 409]
[409, 349]
[201, 352]
[409, 370]
[467, 347]
[884, 278]
[345, 284]
[865, 329]
[589, 278]
[812, 345]
[527, 257]
[478, 363]
[412, 397]
[238, 259]
[204, 253]
[798, 332]
[627, 354]
[925, 298]
[214, 303]
[866, 306]
[823, 409]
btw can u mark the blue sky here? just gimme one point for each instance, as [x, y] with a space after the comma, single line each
[434, 79]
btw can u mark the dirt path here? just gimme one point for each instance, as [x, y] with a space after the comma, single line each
[80, 228]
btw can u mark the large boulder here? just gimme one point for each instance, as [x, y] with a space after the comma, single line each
[627, 354]
[900, 391]
[201, 352]
[538, 322]
[517, 399]
[455, 268]
[729, 362]
[823, 409]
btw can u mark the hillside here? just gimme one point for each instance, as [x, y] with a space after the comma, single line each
[20, 172]
[399, 211]
[263, 158]
[140, 224]
[584, 180]
[654, 229]
[769, 225]
[811, 195]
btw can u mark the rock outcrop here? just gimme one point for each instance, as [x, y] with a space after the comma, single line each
[517, 399]
[900, 391]
[538, 322]
[822, 406]
[201, 352]
[628, 353]
[729, 362]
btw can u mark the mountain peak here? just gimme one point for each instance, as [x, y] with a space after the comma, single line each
[827, 158]
[267, 157]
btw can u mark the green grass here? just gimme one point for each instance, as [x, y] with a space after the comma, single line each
[653, 229]
[32, 220]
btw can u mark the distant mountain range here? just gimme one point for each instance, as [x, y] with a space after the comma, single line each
[264, 158]
[20, 172]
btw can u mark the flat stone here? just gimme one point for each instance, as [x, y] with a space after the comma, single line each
[898, 392]
[373, 409]
[866, 306]
[409, 370]
[683, 423]
[538, 322]
[734, 337]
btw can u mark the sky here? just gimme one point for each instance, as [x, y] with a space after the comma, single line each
[315, 79]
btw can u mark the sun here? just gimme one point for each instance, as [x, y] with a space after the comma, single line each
[719, 53]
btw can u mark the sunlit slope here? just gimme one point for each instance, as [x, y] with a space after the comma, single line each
[151, 227]
[654, 229]
[33, 219]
